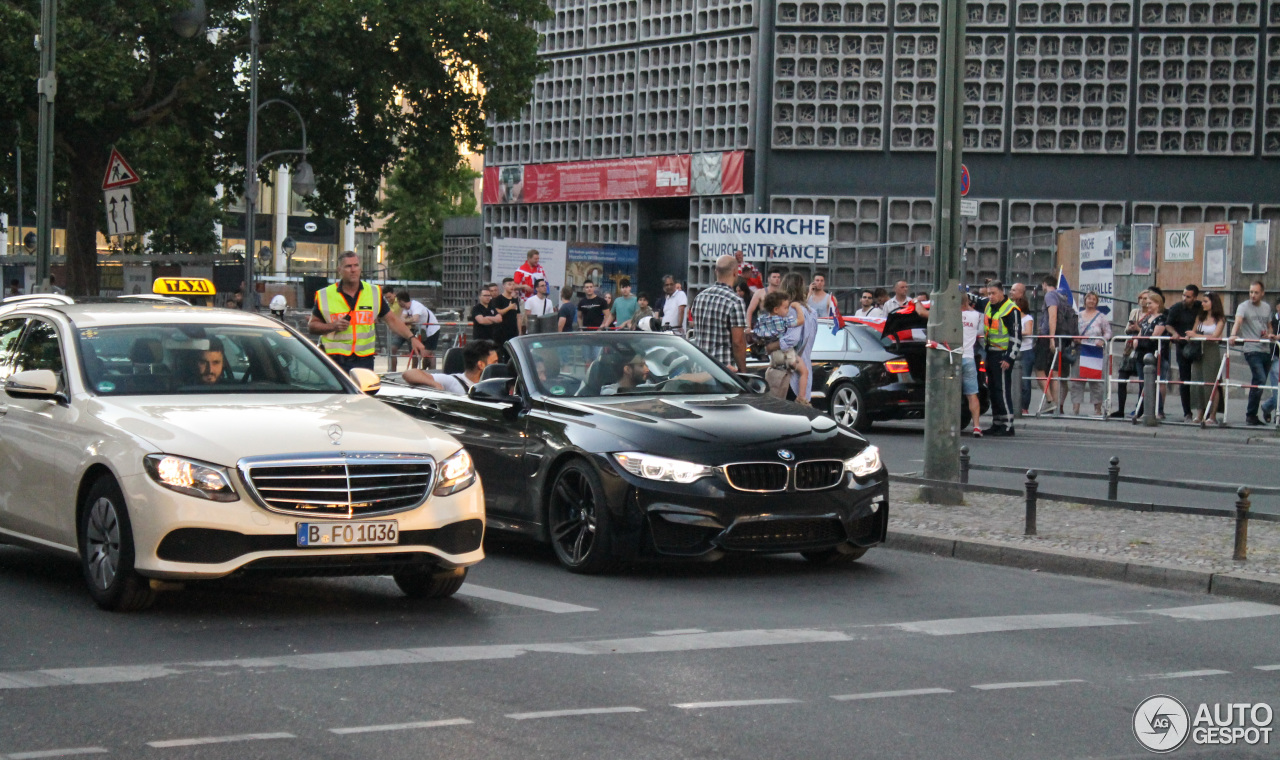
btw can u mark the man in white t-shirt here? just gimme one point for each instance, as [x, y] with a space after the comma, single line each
[867, 308]
[971, 321]
[901, 297]
[539, 304]
[476, 355]
[674, 308]
[421, 322]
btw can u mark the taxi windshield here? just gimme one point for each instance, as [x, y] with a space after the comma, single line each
[624, 364]
[168, 359]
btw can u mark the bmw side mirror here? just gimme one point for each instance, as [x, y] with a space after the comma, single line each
[754, 383]
[366, 380]
[495, 391]
[34, 383]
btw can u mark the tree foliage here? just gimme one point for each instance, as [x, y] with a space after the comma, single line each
[417, 203]
[375, 80]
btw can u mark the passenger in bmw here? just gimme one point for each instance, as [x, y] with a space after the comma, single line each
[634, 373]
[477, 355]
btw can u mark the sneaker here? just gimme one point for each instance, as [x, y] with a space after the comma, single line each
[1187, 418]
[1252, 421]
[1266, 416]
[1116, 415]
[977, 432]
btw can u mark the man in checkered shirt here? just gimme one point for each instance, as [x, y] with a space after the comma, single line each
[720, 318]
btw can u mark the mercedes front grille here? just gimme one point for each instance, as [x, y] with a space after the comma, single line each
[343, 486]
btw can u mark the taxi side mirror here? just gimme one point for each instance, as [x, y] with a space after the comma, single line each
[34, 383]
[366, 380]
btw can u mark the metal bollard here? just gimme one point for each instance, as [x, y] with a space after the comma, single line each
[964, 465]
[1242, 525]
[1149, 391]
[1113, 479]
[1032, 488]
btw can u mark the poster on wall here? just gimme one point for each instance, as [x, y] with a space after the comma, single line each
[510, 253]
[1179, 245]
[761, 237]
[1143, 245]
[1215, 261]
[1256, 249]
[1124, 258]
[1097, 266]
[605, 264]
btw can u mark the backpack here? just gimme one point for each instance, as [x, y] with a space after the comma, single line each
[1068, 321]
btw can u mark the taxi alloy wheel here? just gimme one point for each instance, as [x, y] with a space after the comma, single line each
[579, 520]
[107, 551]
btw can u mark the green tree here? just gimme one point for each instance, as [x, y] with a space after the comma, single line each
[417, 202]
[376, 80]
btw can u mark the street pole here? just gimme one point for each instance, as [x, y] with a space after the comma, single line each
[251, 163]
[47, 86]
[18, 239]
[943, 368]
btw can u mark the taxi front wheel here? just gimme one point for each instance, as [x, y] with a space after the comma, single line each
[429, 583]
[107, 553]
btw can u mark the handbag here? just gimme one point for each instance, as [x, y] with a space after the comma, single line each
[1192, 351]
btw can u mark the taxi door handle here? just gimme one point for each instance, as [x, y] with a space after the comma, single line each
[431, 409]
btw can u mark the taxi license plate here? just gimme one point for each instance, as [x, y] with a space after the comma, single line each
[324, 535]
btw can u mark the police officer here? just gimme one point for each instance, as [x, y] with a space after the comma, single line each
[345, 315]
[1002, 331]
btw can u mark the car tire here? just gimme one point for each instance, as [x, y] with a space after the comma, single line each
[107, 551]
[429, 583]
[578, 520]
[837, 555]
[848, 407]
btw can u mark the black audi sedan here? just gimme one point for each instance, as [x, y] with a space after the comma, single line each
[625, 446]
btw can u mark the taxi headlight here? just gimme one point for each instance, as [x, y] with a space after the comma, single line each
[190, 477]
[661, 468]
[456, 473]
[867, 462]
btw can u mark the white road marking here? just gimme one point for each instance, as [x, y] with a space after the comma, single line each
[678, 631]
[958, 626]
[1025, 684]
[520, 600]
[56, 753]
[401, 726]
[1267, 667]
[571, 713]
[1225, 611]
[735, 703]
[218, 740]
[1186, 674]
[884, 694]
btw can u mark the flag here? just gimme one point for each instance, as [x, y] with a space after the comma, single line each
[1092, 362]
[837, 321]
[1064, 288]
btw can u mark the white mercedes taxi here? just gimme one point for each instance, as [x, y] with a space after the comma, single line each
[159, 442]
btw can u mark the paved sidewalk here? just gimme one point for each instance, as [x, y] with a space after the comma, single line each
[1187, 552]
[1125, 428]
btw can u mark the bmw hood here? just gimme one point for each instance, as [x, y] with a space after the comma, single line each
[223, 429]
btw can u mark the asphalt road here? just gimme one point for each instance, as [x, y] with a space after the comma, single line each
[902, 444]
[901, 656]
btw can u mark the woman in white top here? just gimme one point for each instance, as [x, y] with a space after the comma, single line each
[1096, 326]
[1209, 328]
[1027, 353]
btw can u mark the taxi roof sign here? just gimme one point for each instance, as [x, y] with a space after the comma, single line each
[182, 286]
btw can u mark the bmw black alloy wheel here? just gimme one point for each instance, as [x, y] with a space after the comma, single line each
[579, 519]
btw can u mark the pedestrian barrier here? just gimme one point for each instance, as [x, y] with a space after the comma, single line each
[1032, 493]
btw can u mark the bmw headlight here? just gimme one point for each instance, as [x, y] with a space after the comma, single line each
[661, 468]
[456, 473]
[867, 462]
[190, 477]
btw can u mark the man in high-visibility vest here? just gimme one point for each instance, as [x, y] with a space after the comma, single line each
[345, 317]
[1002, 331]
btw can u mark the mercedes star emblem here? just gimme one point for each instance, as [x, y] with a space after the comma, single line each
[335, 434]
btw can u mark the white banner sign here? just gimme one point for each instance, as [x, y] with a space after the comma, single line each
[1097, 267]
[760, 237]
[509, 254]
[1179, 245]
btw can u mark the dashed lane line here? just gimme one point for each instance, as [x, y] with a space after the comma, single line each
[573, 713]
[1223, 611]
[890, 694]
[1266, 667]
[1184, 674]
[400, 726]
[56, 753]
[958, 626]
[1025, 684]
[219, 740]
[520, 600]
[677, 631]
[735, 703]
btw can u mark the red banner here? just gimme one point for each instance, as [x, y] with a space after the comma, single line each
[618, 179]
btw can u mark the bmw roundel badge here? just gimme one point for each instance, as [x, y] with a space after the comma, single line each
[786, 455]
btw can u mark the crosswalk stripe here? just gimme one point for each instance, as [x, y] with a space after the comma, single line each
[1222, 611]
[520, 600]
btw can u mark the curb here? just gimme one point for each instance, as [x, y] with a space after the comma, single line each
[1137, 431]
[1240, 585]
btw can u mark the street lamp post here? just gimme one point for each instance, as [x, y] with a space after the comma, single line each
[47, 86]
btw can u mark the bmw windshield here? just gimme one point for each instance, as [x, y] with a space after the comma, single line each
[622, 364]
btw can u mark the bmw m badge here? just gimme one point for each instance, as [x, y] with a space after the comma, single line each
[786, 455]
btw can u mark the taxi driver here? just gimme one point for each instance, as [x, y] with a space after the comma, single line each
[210, 363]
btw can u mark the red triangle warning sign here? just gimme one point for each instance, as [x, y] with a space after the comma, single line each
[119, 173]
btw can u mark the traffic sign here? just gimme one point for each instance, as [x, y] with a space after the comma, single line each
[964, 180]
[968, 208]
[119, 173]
[119, 211]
